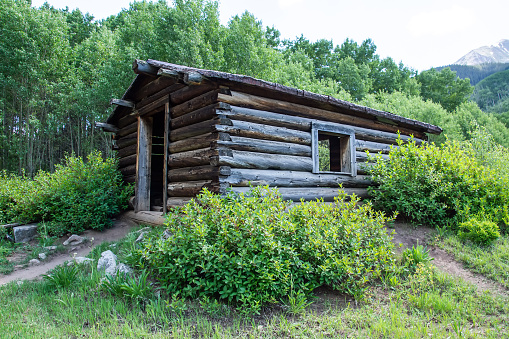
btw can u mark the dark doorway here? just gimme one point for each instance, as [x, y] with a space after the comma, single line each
[157, 162]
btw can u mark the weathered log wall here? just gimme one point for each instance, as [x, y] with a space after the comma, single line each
[219, 138]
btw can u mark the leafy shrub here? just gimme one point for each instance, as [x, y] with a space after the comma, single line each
[439, 185]
[77, 196]
[253, 249]
[480, 232]
[415, 256]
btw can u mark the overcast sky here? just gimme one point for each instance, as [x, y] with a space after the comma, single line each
[422, 34]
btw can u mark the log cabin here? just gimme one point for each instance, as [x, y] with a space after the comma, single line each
[180, 129]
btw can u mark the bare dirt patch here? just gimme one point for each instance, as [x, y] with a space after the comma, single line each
[121, 227]
[409, 235]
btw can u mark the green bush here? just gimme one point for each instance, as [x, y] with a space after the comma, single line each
[481, 232]
[439, 185]
[79, 195]
[254, 249]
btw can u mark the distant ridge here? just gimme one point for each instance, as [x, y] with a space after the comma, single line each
[486, 54]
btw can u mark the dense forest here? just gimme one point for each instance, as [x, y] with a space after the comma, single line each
[60, 68]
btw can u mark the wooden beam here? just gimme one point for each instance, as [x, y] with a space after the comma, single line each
[206, 172]
[195, 103]
[143, 164]
[199, 128]
[153, 107]
[127, 130]
[201, 114]
[308, 194]
[245, 177]
[197, 142]
[142, 67]
[191, 188]
[265, 146]
[243, 159]
[193, 158]
[167, 120]
[120, 102]
[265, 132]
[106, 127]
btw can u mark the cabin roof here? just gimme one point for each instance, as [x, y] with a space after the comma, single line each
[147, 70]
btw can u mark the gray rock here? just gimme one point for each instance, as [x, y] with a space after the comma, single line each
[24, 233]
[141, 237]
[167, 234]
[42, 256]
[124, 269]
[50, 248]
[34, 262]
[108, 263]
[74, 240]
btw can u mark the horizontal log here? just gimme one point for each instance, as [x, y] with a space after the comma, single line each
[201, 114]
[308, 194]
[128, 140]
[200, 101]
[106, 127]
[133, 127]
[146, 217]
[128, 171]
[206, 172]
[177, 201]
[188, 92]
[126, 161]
[127, 151]
[372, 147]
[120, 102]
[191, 188]
[153, 107]
[167, 89]
[363, 167]
[127, 120]
[265, 146]
[197, 142]
[199, 128]
[193, 158]
[242, 159]
[269, 118]
[255, 177]
[265, 132]
[261, 103]
[363, 157]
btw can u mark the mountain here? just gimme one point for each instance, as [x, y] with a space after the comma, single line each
[486, 54]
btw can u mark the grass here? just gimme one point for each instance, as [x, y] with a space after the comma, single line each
[490, 261]
[424, 304]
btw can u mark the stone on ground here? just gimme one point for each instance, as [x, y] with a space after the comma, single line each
[34, 262]
[24, 233]
[108, 263]
[74, 240]
[42, 256]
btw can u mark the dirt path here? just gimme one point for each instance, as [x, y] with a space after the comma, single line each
[120, 229]
[409, 236]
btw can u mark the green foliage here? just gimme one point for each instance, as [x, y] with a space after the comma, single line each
[482, 232]
[252, 250]
[79, 195]
[63, 276]
[444, 87]
[440, 185]
[415, 256]
[492, 90]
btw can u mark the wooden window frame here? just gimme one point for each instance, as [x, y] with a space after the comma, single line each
[347, 154]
